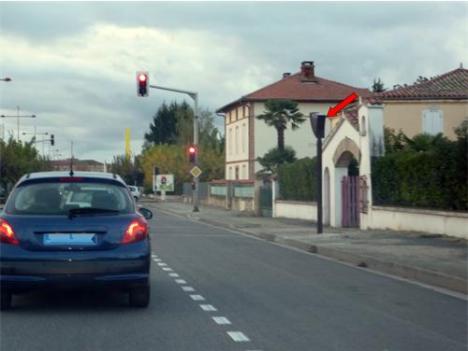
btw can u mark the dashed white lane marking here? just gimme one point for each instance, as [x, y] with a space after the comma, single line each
[188, 288]
[173, 275]
[208, 308]
[238, 336]
[180, 281]
[197, 298]
[221, 320]
[162, 264]
[157, 260]
[167, 269]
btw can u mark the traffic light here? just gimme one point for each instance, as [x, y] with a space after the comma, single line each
[192, 154]
[52, 140]
[156, 170]
[142, 83]
[317, 121]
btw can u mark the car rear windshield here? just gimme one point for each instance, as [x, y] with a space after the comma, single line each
[58, 198]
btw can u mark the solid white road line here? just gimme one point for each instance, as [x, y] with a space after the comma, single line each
[208, 308]
[188, 288]
[180, 281]
[221, 320]
[197, 298]
[173, 275]
[238, 336]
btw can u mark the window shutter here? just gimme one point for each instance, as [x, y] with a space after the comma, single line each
[432, 122]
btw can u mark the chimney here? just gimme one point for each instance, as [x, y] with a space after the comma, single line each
[308, 71]
[286, 74]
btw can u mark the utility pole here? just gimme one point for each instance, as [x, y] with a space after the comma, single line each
[18, 116]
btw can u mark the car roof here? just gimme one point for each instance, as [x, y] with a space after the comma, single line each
[61, 174]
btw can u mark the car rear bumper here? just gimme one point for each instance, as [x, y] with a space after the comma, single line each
[121, 267]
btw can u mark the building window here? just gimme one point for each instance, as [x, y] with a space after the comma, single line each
[363, 126]
[432, 122]
[237, 140]
[237, 173]
[244, 137]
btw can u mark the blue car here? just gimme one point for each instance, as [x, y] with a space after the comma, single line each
[65, 229]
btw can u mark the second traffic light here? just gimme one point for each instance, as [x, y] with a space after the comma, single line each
[142, 83]
[192, 154]
[52, 139]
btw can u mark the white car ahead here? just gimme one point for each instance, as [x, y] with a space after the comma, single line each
[135, 192]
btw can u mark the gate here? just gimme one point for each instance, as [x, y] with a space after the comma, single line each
[350, 201]
[266, 203]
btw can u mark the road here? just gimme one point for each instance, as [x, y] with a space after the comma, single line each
[273, 299]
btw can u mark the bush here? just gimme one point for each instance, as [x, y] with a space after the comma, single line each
[298, 180]
[427, 172]
[275, 158]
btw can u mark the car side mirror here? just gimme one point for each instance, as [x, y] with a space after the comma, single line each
[148, 214]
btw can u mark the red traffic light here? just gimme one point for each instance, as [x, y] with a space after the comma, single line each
[142, 83]
[192, 154]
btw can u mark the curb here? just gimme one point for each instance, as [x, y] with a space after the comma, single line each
[428, 277]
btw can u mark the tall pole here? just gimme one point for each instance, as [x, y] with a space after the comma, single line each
[18, 120]
[195, 142]
[319, 187]
[317, 122]
[194, 96]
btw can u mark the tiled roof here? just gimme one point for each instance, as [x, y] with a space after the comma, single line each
[293, 88]
[450, 85]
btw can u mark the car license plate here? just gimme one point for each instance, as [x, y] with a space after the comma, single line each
[70, 239]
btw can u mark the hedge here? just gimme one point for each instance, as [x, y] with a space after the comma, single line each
[298, 180]
[433, 179]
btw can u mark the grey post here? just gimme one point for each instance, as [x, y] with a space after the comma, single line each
[194, 96]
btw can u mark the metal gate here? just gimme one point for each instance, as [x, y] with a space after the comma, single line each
[266, 203]
[350, 201]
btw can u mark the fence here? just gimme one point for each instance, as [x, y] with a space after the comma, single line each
[236, 195]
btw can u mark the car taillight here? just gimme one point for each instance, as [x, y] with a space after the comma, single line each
[136, 231]
[7, 235]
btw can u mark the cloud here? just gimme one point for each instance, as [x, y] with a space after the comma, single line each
[74, 64]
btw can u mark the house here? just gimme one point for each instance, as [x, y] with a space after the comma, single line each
[248, 138]
[78, 165]
[436, 105]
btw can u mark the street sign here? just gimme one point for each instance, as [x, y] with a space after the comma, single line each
[195, 171]
[165, 182]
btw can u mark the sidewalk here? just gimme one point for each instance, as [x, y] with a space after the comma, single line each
[433, 260]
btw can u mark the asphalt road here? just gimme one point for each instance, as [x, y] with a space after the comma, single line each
[274, 299]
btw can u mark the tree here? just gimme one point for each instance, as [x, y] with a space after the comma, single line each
[17, 159]
[275, 158]
[173, 124]
[378, 86]
[279, 114]
[163, 128]
[129, 169]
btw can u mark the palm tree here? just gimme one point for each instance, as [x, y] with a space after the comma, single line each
[279, 114]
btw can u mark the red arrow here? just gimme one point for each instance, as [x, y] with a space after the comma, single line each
[333, 111]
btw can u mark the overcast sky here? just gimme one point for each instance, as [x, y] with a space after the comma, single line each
[74, 64]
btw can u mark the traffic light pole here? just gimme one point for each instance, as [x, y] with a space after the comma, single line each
[317, 121]
[194, 96]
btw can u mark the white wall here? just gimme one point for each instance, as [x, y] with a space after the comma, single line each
[406, 219]
[295, 209]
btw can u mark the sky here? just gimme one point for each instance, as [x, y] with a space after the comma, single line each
[74, 65]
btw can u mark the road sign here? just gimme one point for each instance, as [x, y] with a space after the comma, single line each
[195, 171]
[165, 182]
